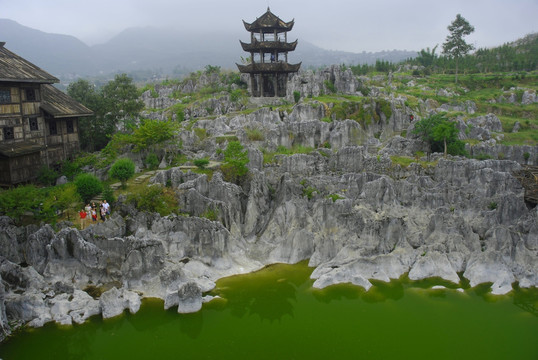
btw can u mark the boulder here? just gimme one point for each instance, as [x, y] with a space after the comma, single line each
[189, 298]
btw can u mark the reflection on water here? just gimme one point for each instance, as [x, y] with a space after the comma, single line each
[270, 294]
[276, 314]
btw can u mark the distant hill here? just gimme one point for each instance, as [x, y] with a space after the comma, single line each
[157, 51]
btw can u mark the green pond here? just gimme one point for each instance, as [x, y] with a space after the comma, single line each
[276, 314]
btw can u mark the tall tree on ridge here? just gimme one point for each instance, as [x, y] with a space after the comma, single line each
[455, 46]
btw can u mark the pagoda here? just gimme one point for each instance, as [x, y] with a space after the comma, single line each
[268, 48]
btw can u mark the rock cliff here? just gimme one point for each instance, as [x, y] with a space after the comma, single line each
[346, 206]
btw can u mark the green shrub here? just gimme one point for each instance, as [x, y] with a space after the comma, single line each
[235, 95]
[309, 192]
[47, 176]
[330, 86]
[210, 213]
[61, 198]
[201, 163]
[234, 168]
[123, 169]
[151, 132]
[492, 205]
[108, 194]
[88, 186]
[19, 200]
[201, 133]
[335, 197]
[153, 198]
[526, 156]
[296, 96]
[151, 161]
[482, 156]
[254, 134]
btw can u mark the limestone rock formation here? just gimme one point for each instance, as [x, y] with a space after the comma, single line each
[345, 205]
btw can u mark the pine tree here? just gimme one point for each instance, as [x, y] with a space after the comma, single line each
[454, 46]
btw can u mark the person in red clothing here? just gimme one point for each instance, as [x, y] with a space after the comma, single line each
[82, 214]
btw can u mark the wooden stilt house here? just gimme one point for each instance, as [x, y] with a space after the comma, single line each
[38, 123]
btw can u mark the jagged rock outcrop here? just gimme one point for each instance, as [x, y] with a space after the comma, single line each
[344, 205]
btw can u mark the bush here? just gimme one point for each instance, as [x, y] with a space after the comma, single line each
[335, 197]
[296, 96]
[88, 186]
[210, 213]
[154, 198]
[254, 134]
[61, 198]
[234, 168]
[201, 163]
[108, 194]
[123, 169]
[17, 201]
[152, 161]
[47, 176]
[152, 132]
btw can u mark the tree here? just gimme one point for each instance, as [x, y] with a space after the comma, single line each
[121, 101]
[454, 46]
[236, 159]
[445, 131]
[94, 132]
[88, 186]
[20, 200]
[440, 134]
[427, 57]
[123, 169]
[424, 129]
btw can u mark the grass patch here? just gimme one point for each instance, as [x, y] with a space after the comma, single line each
[268, 157]
[405, 161]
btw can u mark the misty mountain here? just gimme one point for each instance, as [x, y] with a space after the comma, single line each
[158, 51]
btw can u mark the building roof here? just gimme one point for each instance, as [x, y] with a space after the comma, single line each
[14, 68]
[60, 105]
[268, 23]
[19, 148]
[276, 67]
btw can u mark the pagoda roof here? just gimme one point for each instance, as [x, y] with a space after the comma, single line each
[278, 67]
[268, 45]
[60, 105]
[14, 68]
[268, 23]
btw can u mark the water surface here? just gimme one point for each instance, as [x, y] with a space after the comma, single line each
[275, 314]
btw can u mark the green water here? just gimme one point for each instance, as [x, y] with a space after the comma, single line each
[275, 314]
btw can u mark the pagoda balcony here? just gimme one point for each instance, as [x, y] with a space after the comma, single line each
[268, 46]
[274, 67]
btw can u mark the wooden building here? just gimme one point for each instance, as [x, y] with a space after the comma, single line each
[268, 48]
[38, 123]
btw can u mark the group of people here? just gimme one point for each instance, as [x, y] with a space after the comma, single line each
[92, 211]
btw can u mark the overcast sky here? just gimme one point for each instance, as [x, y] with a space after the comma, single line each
[347, 25]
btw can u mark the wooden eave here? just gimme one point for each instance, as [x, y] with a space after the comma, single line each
[60, 105]
[275, 67]
[268, 23]
[268, 46]
[14, 68]
[19, 148]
